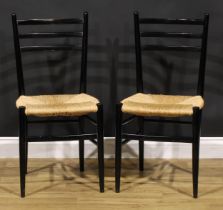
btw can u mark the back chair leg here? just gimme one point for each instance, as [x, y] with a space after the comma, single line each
[22, 151]
[100, 130]
[195, 149]
[81, 155]
[141, 144]
[141, 155]
[118, 147]
[81, 145]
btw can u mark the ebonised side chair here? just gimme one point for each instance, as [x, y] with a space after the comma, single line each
[61, 108]
[146, 107]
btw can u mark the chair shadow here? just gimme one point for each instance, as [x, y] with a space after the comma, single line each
[9, 190]
[211, 191]
[154, 173]
[69, 175]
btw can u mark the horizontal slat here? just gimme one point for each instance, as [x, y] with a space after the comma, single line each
[157, 138]
[50, 47]
[171, 21]
[168, 121]
[49, 21]
[170, 48]
[50, 35]
[61, 138]
[53, 121]
[171, 34]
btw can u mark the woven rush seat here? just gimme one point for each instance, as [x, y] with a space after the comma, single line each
[161, 105]
[58, 105]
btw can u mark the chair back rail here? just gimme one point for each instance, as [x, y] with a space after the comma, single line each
[202, 49]
[20, 49]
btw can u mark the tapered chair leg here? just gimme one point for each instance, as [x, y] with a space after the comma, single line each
[118, 147]
[141, 155]
[26, 154]
[81, 145]
[100, 131]
[81, 155]
[195, 149]
[141, 144]
[26, 142]
[22, 151]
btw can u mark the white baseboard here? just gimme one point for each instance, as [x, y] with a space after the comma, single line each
[210, 147]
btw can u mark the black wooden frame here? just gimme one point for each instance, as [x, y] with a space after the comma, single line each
[24, 120]
[123, 138]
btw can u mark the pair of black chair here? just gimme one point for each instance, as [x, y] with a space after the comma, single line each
[77, 107]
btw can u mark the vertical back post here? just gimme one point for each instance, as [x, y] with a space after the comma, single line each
[139, 80]
[83, 80]
[18, 56]
[202, 66]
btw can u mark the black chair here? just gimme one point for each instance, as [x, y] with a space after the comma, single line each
[141, 105]
[56, 108]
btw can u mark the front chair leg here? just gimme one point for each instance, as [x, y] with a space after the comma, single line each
[81, 145]
[195, 149]
[100, 131]
[26, 154]
[118, 147]
[26, 145]
[22, 150]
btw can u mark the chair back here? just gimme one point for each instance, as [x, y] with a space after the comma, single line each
[19, 25]
[142, 34]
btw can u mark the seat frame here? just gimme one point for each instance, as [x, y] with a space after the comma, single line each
[96, 138]
[195, 121]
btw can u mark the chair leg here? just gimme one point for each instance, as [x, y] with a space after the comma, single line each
[26, 154]
[118, 147]
[81, 146]
[26, 145]
[22, 152]
[141, 144]
[141, 155]
[81, 155]
[195, 149]
[100, 131]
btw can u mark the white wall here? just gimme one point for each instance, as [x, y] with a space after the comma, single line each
[211, 147]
